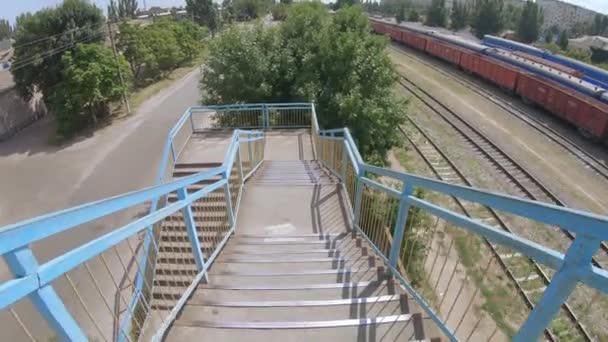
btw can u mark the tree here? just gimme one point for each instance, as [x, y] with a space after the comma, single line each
[487, 17]
[437, 15]
[286, 2]
[400, 13]
[599, 25]
[204, 13]
[125, 9]
[251, 9]
[89, 84]
[335, 62]
[6, 30]
[563, 40]
[279, 11]
[459, 16]
[342, 3]
[549, 36]
[413, 16]
[530, 21]
[511, 16]
[37, 59]
[228, 12]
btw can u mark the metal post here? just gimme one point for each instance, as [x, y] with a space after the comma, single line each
[191, 121]
[265, 121]
[250, 152]
[404, 208]
[22, 262]
[576, 263]
[332, 152]
[228, 199]
[125, 100]
[344, 160]
[358, 196]
[192, 231]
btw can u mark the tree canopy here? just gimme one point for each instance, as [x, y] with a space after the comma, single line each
[487, 17]
[335, 62]
[437, 14]
[564, 40]
[204, 12]
[459, 16]
[89, 83]
[42, 38]
[530, 21]
[124, 9]
[6, 30]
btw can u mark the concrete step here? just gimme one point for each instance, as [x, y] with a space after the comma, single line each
[198, 309]
[277, 265]
[399, 328]
[315, 291]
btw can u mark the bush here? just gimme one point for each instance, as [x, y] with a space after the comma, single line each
[335, 62]
[279, 12]
[154, 50]
[90, 82]
[413, 16]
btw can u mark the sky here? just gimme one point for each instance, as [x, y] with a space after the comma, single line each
[20, 6]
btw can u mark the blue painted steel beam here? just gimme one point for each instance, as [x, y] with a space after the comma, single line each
[62, 264]
[404, 208]
[182, 194]
[28, 231]
[23, 263]
[574, 220]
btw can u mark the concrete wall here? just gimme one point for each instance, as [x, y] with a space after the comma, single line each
[15, 113]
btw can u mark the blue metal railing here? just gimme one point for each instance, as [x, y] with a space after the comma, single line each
[572, 268]
[337, 150]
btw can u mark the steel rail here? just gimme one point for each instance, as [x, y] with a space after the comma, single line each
[492, 153]
[501, 223]
[599, 166]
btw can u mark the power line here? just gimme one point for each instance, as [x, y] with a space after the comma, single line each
[51, 36]
[54, 51]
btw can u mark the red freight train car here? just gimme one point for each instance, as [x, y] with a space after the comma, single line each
[413, 39]
[443, 50]
[588, 114]
[497, 72]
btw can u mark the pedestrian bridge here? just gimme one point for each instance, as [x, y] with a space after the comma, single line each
[263, 227]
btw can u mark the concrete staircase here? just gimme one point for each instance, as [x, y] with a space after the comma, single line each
[296, 271]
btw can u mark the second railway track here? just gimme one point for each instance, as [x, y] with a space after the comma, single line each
[589, 160]
[522, 181]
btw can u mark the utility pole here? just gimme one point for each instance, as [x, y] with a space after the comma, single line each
[125, 100]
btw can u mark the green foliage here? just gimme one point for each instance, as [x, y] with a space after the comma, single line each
[286, 2]
[6, 30]
[392, 7]
[549, 37]
[599, 25]
[563, 40]
[400, 14]
[228, 12]
[459, 16]
[154, 50]
[487, 17]
[124, 9]
[335, 62]
[343, 3]
[89, 83]
[204, 12]
[37, 61]
[437, 14]
[413, 16]
[251, 9]
[279, 11]
[530, 21]
[511, 16]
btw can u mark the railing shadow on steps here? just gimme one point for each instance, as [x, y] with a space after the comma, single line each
[383, 204]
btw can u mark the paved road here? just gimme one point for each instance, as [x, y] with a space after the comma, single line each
[36, 178]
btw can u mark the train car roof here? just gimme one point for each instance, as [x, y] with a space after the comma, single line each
[583, 64]
[461, 41]
[512, 42]
[547, 70]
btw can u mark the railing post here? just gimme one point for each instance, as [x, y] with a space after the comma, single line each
[191, 121]
[249, 150]
[358, 197]
[332, 152]
[22, 262]
[192, 231]
[172, 150]
[404, 208]
[265, 121]
[228, 198]
[576, 262]
[344, 160]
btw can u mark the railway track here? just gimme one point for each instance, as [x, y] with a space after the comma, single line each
[590, 161]
[531, 280]
[522, 181]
